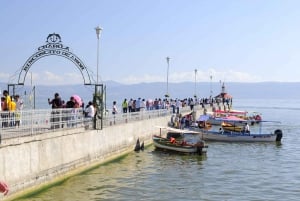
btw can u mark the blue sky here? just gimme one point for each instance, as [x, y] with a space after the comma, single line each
[232, 41]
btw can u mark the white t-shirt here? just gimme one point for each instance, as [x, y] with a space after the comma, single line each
[114, 109]
[90, 110]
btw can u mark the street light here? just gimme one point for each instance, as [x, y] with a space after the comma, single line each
[195, 83]
[98, 32]
[168, 62]
[211, 86]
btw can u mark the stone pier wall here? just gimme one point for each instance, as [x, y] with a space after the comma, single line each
[27, 163]
[30, 162]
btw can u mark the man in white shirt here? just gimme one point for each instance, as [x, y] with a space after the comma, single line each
[247, 128]
[19, 102]
[178, 105]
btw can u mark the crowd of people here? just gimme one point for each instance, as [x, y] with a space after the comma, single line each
[73, 103]
[12, 105]
[137, 105]
[10, 109]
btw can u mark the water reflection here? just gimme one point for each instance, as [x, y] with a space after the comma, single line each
[158, 175]
[129, 178]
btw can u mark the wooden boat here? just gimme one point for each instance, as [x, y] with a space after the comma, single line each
[178, 140]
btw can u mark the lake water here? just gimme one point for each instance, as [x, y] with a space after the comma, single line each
[229, 171]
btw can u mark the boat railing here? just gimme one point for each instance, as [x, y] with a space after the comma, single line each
[38, 121]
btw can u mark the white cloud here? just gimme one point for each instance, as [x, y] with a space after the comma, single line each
[189, 76]
[234, 76]
[143, 78]
[50, 78]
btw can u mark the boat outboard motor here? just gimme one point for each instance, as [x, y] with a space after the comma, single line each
[278, 134]
[137, 145]
[199, 150]
[200, 146]
[142, 146]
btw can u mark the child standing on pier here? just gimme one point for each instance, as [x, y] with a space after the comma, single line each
[114, 108]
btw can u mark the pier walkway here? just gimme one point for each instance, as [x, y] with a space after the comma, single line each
[49, 145]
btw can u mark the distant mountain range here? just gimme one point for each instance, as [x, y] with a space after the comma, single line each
[117, 91]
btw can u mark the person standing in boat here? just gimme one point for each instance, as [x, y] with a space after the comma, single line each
[246, 128]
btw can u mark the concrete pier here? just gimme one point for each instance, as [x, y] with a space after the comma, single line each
[29, 162]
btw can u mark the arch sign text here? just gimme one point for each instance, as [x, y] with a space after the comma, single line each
[54, 46]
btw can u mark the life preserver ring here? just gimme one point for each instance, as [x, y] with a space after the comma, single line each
[172, 140]
[3, 188]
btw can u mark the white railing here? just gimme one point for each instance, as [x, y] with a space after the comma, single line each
[34, 122]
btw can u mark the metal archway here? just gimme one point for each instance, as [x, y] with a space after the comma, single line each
[54, 46]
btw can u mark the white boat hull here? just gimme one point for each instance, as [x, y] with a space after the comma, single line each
[218, 121]
[237, 137]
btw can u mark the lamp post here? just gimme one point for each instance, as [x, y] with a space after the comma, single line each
[210, 86]
[195, 82]
[168, 62]
[98, 32]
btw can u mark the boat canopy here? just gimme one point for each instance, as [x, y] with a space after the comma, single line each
[203, 118]
[232, 118]
[236, 112]
[224, 95]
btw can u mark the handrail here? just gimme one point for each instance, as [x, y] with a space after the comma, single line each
[34, 122]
